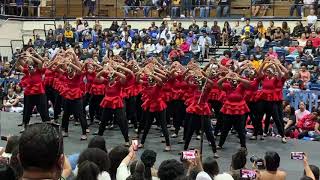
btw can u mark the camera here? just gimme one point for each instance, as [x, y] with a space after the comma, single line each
[258, 161]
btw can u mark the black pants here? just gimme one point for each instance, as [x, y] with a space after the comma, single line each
[179, 114]
[38, 100]
[271, 109]
[195, 123]
[169, 112]
[86, 101]
[107, 117]
[73, 107]
[236, 121]
[94, 107]
[131, 110]
[256, 122]
[57, 105]
[217, 105]
[50, 95]
[161, 118]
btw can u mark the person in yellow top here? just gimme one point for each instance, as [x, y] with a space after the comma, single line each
[261, 28]
[179, 39]
[68, 34]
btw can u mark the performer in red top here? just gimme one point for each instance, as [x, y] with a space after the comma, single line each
[112, 103]
[234, 107]
[270, 73]
[199, 108]
[72, 94]
[34, 93]
[94, 88]
[178, 86]
[153, 105]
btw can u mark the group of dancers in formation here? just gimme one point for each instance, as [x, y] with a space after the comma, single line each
[123, 91]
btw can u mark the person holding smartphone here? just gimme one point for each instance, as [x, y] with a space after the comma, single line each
[272, 163]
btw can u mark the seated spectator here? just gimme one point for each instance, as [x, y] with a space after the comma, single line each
[178, 39]
[304, 74]
[195, 49]
[38, 42]
[236, 31]
[278, 35]
[311, 65]
[194, 27]
[185, 47]
[226, 59]
[216, 31]
[301, 112]
[223, 8]
[97, 156]
[149, 157]
[128, 6]
[298, 30]
[247, 27]
[116, 50]
[114, 26]
[149, 47]
[12, 144]
[286, 40]
[205, 7]
[260, 41]
[307, 124]
[170, 169]
[191, 36]
[47, 143]
[59, 30]
[206, 28]
[175, 54]
[272, 54]
[309, 49]
[11, 102]
[85, 55]
[116, 155]
[296, 83]
[272, 163]
[288, 116]
[296, 64]
[315, 77]
[160, 46]
[302, 40]
[211, 167]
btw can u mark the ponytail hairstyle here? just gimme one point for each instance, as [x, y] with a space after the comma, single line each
[137, 171]
[148, 157]
[88, 170]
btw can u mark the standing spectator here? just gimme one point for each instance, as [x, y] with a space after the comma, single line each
[194, 27]
[204, 42]
[312, 19]
[223, 8]
[216, 31]
[226, 31]
[59, 30]
[297, 4]
[175, 8]
[91, 5]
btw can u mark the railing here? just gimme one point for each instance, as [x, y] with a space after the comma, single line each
[116, 8]
[309, 97]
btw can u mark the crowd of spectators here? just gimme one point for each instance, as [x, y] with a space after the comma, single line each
[18, 161]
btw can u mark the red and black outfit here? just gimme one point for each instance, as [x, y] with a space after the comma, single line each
[251, 99]
[48, 83]
[73, 101]
[199, 110]
[58, 86]
[34, 94]
[269, 96]
[234, 109]
[96, 90]
[154, 106]
[112, 105]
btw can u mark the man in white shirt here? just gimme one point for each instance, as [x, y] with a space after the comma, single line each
[204, 42]
[312, 19]
[260, 41]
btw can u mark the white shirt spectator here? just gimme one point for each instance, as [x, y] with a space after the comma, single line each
[204, 41]
[122, 172]
[159, 48]
[312, 19]
[296, 65]
[149, 48]
[299, 114]
[260, 42]
[52, 52]
[116, 51]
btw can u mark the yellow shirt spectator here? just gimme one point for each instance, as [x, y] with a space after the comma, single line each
[179, 41]
[262, 30]
[68, 34]
[256, 64]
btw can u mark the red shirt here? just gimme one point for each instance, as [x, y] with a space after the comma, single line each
[153, 98]
[251, 91]
[90, 78]
[113, 95]
[48, 77]
[33, 81]
[72, 87]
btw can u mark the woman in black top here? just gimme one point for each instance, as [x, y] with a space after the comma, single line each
[226, 30]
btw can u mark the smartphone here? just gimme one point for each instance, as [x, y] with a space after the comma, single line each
[4, 138]
[248, 174]
[135, 144]
[297, 155]
[188, 155]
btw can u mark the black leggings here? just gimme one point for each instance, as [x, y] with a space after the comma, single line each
[236, 121]
[86, 101]
[57, 105]
[94, 107]
[193, 124]
[131, 110]
[256, 122]
[271, 109]
[161, 118]
[179, 114]
[38, 100]
[217, 105]
[50, 95]
[73, 107]
[107, 117]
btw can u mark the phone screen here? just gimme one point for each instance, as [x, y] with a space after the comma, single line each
[135, 144]
[297, 155]
[4, 138]
[247, 173]
[188, 155]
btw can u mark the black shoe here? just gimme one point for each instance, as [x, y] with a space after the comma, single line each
[21, 124]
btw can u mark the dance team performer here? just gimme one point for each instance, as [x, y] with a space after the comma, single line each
[116, 87]
[34, 92]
